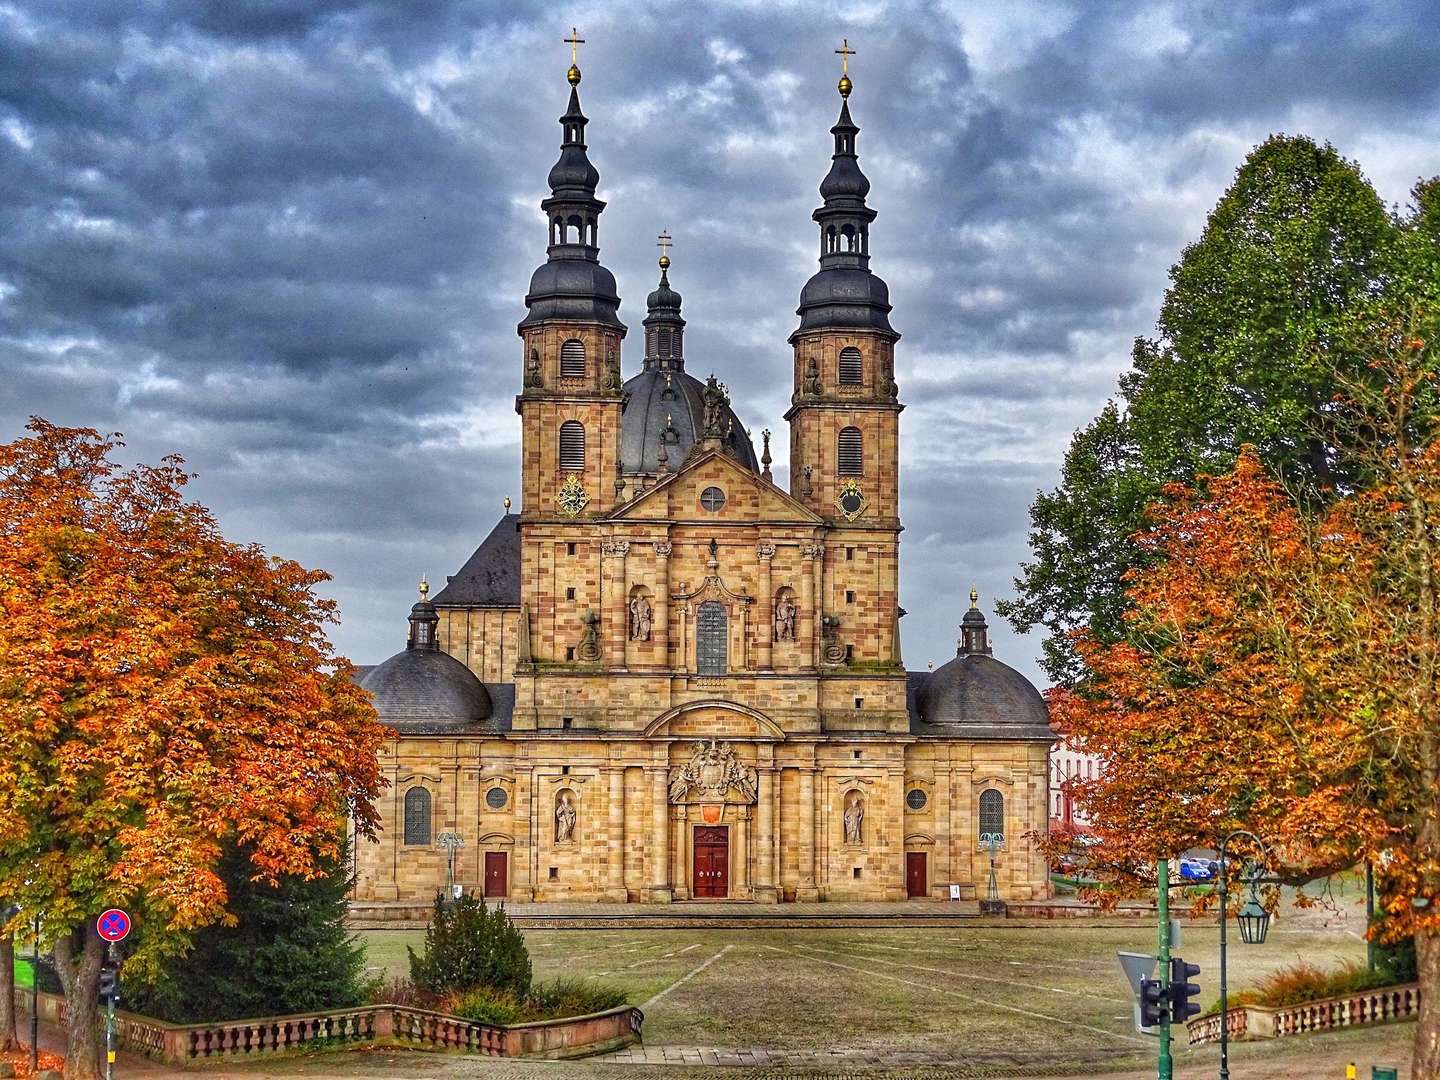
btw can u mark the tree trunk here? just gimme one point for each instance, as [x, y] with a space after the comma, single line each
[78, 964]
[7, 994]
[1426, 1056]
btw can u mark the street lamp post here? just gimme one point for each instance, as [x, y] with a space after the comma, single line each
[450, 841]
[992, 904]
[1254, 923]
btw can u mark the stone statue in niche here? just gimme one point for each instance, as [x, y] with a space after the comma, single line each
[640, 616]
[532, 369]
[564, 819]
[854, 819]
[784, 618]
[589, 648]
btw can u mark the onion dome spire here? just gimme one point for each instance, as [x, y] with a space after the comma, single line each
[974, 631]
[572, 284]
[664, 328]
[844, 294]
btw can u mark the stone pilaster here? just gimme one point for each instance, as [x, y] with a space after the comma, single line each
[816, 554]
[660, 630]
[765, 631]
[659, 837]
[684, 865]
[765, 839]
[615, 843]
[809, 604]
[806, 891]
[615, 602]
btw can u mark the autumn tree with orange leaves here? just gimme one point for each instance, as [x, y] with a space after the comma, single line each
[1281, 671]
[163, 692]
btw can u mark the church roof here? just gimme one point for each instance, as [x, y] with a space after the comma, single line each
[491, 576]
[976, 696]
[429, 691]
[672, 400]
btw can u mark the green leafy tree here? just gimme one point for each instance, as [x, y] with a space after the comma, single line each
[470, 945]
[1255, 336]
[287, 952]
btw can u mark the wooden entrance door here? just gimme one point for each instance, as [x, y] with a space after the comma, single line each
[495, 874]
[711, 869]
[915, 873]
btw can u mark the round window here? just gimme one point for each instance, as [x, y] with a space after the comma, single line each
[712, 499]
[916, 799]
[495, 798]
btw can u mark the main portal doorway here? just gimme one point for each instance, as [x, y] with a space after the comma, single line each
[711, 869]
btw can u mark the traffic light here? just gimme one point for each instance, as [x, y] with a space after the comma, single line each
[109, 982]
[1153, 1003]
[1182, 990]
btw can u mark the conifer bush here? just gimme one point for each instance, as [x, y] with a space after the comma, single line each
[470, 945]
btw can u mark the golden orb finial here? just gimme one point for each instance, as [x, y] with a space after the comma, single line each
[424, 589]
[507, 504]
[974, 596]
[845, 52]
[574, 73]
[663, 242]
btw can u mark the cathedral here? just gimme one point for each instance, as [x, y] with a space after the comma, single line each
[667, 678]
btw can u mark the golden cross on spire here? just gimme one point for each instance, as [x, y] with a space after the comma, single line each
[663, 242]
[845, 52]
[574, 39]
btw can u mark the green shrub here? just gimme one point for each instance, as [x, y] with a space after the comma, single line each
[468, 945]
[486, 1006]
[563, 996]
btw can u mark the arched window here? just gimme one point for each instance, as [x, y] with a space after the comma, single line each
[712, 652]
[417, 817]
[851, 366]
[992, 812]
[572, 359]
[572, 446]
[852, 452]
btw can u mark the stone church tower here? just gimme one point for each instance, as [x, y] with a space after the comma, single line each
[665, 678]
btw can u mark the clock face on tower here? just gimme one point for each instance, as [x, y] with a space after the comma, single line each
[851, 501]
[571, 497]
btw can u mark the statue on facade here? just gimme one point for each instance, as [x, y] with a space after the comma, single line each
[564, 819]
[532, 369]
[712, 772]
[854, 817]
[887, 378]
[589, 648]
[714, 400]
[611, 381]
[784, 618]
[811, 385]
[640, 615]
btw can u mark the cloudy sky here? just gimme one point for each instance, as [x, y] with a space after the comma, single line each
[290, 241]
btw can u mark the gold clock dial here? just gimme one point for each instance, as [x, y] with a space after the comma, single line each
[571, 497]
[851, 501]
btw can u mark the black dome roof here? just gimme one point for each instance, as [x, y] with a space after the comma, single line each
[844, 297]
[429, 688]
[989, 699]
[651, 397]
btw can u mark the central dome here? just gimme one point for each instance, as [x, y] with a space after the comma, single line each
[672, 400]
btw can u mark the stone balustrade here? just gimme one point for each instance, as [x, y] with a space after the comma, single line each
[184, 1044]
[1348, 1010]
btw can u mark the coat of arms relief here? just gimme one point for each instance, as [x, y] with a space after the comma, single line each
[712, 771]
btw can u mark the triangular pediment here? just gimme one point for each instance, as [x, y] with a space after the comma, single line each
[748, 496]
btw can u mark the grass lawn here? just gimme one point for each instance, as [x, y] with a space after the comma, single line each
[1013, 1000]
[24, 975]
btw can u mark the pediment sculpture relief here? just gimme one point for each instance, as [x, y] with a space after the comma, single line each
[712, 771]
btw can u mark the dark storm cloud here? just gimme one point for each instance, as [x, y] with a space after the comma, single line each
[290, 240]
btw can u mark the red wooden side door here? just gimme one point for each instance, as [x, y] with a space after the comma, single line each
[495, 874]
[711, 865]
[915, 873]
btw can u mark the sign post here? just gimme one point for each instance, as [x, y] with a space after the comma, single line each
[113, 925]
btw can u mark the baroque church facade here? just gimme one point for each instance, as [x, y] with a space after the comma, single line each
[667, 678]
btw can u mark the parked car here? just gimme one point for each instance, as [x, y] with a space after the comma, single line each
[1196, 870]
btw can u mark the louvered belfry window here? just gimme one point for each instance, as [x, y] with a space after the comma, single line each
[852, 452]
[992, 812]
[417, 816]
[851, 366]
[572, 359]
[712, 652]
[572, 446]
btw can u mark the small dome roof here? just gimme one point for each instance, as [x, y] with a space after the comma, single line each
[429, 688]
[975, 690]
[844, 297]
[572, 289]
[649, 399]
